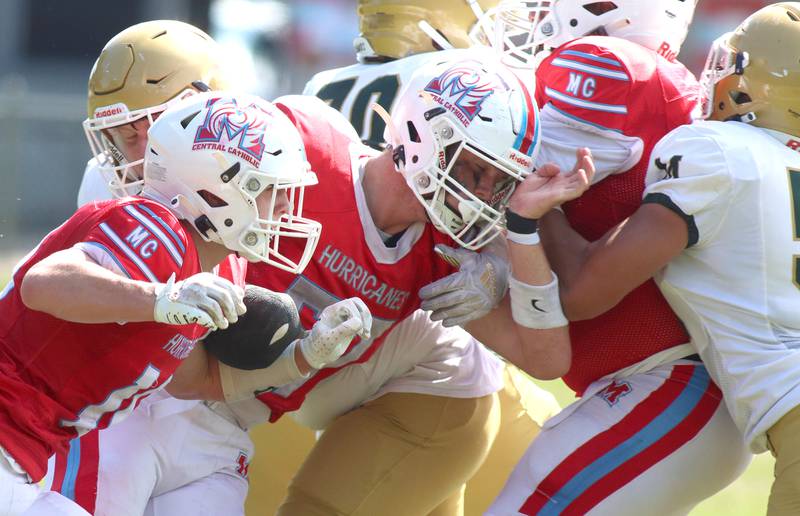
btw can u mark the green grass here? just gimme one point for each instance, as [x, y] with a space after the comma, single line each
[745, 497]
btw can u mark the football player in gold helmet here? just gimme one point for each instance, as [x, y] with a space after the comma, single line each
[140, 72]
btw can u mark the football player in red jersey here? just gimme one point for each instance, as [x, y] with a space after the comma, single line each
[104, 310]
[468, 407]
[133, 468]
[647, 409]
[462, 134]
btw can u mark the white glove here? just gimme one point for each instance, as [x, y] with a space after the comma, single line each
[205, 299]
[337, 325]
[479, 285]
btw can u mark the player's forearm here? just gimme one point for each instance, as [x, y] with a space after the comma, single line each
[543, 354]
[197, 377]
[533, 337]
[69, 286]
[609, 268]
[568, 252]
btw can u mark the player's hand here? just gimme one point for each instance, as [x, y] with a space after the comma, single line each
[469, 294]
[336, 327]
[548, 187]
[205, 299]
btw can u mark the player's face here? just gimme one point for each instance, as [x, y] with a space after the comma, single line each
[281, 207]
[478, 176]
[131, 140]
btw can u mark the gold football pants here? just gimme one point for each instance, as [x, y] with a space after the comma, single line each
[281, 448]
[784, 441]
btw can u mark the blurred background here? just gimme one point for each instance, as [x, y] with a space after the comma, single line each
[47, 48]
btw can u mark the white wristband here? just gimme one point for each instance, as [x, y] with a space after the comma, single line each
[239, 384]
[536, 306]
[523, 238]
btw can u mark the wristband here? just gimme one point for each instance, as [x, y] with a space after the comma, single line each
[536, 306]
[519, 224]
[522, 238]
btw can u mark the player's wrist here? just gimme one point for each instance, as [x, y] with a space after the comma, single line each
[303, 367]
[521, 229]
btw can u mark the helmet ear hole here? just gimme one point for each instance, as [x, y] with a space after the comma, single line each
[598, 8]
[740, 97]
[211, 199]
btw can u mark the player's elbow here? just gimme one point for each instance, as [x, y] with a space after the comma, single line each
[548, 354]
[582, 306]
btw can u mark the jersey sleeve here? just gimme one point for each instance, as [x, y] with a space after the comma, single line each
[587, 83]
[144, 240]
[612, 151]
[689, 174]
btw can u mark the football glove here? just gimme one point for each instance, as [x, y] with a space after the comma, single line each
[332, 333]
[479, 285]
[205, 299]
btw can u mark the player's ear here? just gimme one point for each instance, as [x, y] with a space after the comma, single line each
[259, 337]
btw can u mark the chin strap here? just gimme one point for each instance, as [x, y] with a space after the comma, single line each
[398, 151]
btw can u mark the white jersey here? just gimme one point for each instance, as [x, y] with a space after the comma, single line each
[737, 285]
[94, 186]
[352, 89]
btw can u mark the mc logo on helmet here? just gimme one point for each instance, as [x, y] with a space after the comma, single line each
[461, 90]
[226, 122]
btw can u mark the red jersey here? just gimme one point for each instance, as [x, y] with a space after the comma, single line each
[618, 85]
[60, 379]
[351, 259]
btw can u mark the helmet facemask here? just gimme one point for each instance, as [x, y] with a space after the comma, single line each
[261, 239]
[447, 188]
[123, 174]
[463, 134]
[511, 29]
[722, 66]
[525, 31]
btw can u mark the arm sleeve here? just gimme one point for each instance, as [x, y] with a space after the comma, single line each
[612, 151]
[690, 175]
[143, 241]
[584, 90]
[240, 384]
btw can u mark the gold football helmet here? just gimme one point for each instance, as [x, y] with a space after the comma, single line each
[390, 29]
[753, 73]
[139, 73]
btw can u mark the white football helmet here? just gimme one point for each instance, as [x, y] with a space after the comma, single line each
[211, 156]
[476, 110]
[523, 29]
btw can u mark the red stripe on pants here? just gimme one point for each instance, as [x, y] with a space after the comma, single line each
[596, 447]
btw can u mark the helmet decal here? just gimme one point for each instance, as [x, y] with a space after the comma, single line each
[242, 129]
[461, 91]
